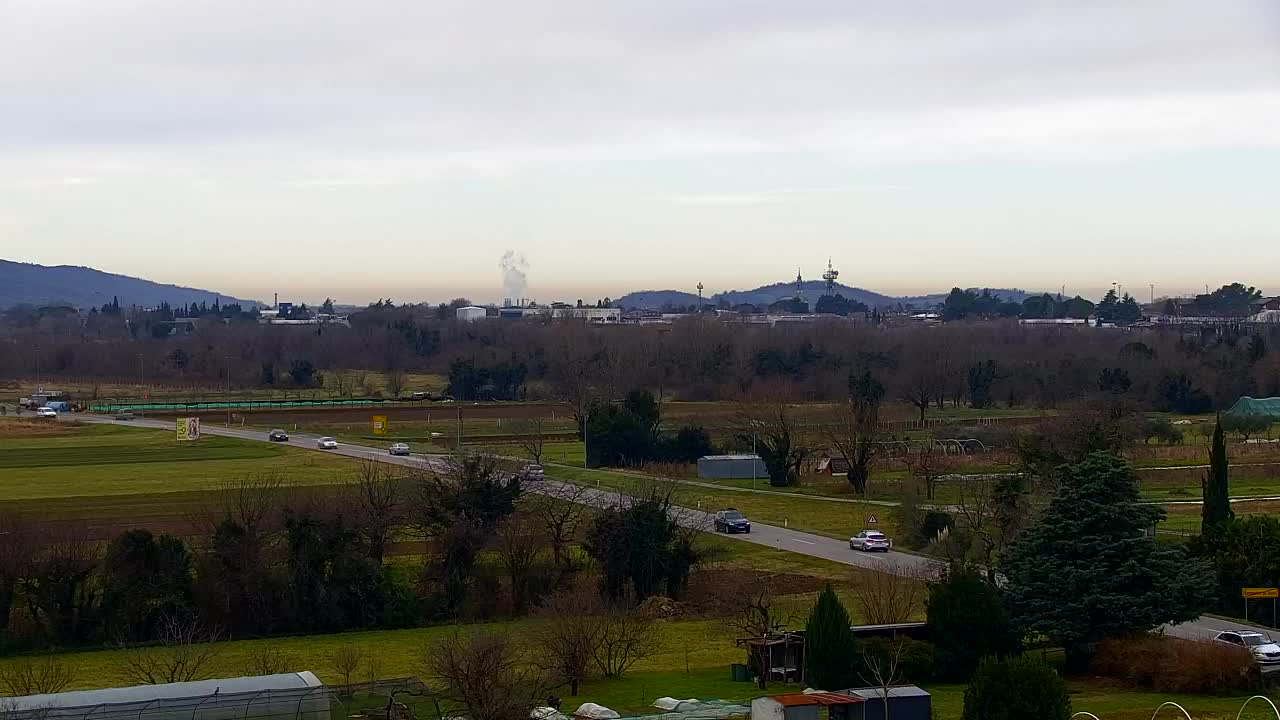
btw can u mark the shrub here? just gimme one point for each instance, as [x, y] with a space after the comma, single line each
[1021, 688]
[967, 623]
[915, 660]
[1167, 664]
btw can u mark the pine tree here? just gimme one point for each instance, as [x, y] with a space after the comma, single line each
[830, 649]
[1090, 569]
[1216, 506]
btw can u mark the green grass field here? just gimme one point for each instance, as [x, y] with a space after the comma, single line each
[98, 461]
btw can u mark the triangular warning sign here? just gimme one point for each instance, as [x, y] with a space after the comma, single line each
[871, 520]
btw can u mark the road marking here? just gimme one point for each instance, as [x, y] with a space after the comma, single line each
[806, 542]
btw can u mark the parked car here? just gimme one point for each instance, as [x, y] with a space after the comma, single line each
[870, 541]
[278, 436]
[731, 521]
[45, 411]
[399, 449]
[327, 443]
[1263, 649]
[124, 415]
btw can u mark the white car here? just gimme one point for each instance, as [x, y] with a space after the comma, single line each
[1263, 649]
[399, 449]
[46, 412]
[870, 541]
[327, 443]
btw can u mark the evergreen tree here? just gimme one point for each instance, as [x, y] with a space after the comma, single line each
[1216, 496]
[830, 649]
[967, 622]
[1090, 569]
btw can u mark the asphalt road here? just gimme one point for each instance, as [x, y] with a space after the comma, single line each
[768, 535]
[802, 543]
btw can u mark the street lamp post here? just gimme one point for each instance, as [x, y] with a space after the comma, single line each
[755, 457]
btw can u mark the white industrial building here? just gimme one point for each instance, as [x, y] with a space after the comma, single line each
[471, 313]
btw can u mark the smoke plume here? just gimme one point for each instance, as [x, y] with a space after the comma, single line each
[514, 280]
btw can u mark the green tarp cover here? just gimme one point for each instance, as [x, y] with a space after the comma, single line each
[1267, 407]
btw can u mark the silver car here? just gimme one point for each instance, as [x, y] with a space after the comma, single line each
[1263, 649]
[327, 443]
[870, 541]
[399, 449]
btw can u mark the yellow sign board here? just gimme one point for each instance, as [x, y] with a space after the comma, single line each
[187, 429]
[1259, 593]
[379, 423]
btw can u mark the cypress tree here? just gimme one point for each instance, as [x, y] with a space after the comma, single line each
[1215, 494]
[831, 651]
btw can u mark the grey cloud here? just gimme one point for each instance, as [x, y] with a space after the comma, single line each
[424, 87]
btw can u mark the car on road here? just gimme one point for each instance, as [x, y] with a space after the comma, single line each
[399, 449]
[1264, 650]
[278, 435]
[533, 471]
[870, 541]
[124, 415]
[46, 412]
[731, 521]
[327, 443]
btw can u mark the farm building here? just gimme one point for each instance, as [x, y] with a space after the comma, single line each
[730, 467]
[295, 696]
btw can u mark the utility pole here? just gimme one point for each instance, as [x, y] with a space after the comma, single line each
[226, 387]
[586, 459]
[754, 459]
[38, 387]
[1153, 293]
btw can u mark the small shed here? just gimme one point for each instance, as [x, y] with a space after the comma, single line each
[906, 702]
[776, 656]
[892, 631]
[807, 706]
[731, 467]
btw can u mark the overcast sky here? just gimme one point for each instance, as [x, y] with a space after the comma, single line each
[385, 147]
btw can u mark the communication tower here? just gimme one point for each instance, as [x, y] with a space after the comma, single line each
[830, 276]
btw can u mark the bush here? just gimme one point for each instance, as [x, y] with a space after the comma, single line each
[1167, 664]
[915, 663]
[967, 623]
[1017, 689]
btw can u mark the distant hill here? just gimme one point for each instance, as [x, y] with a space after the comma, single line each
[83, 287]
[813, 289]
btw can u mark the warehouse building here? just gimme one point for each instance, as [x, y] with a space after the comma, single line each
[731, 467]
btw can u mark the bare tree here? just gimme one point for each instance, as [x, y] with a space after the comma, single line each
[627, 636]
[891, 595]
[486, 674]
[376, 498]
[346, 660]
[395, 380]
[920, 387]
[186, 652]
[778, 439]
[856, 432]
[520, 543]
[36, 676]
[267, 659]
[567, 630]
[250, 501]
[882, 670]
[755, 614]
[561, 508]
[344, 383]
[928, 466]
[531, 436]
[373, 666]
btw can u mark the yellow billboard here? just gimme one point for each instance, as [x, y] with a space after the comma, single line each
[379, 423]
[1259, 593]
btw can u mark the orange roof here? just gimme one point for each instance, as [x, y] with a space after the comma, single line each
[822, 698]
